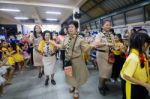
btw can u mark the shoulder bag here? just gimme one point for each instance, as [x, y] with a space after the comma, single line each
[68, 63]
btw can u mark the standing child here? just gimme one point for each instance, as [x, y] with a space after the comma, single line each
[135, 72]
[26, 54]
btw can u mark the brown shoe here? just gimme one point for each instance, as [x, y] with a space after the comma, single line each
[76, 95]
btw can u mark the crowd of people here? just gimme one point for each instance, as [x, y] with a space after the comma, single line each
[115, 58]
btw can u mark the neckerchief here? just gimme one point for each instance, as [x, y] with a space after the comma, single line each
[68, 45]
[108, 37]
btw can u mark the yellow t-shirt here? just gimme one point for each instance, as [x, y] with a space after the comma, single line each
[133, 69]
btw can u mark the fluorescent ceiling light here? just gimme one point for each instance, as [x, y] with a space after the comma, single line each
[21, 18]
[51, 19]
[10, 10]
[49, 12]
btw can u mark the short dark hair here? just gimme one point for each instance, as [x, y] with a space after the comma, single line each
[120, 37]
[75, 23]
[46, 31]
[104, 22]
[34, 32]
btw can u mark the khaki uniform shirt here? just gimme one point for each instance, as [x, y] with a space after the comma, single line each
[80, 46]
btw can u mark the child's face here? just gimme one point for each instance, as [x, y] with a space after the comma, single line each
[5, 44]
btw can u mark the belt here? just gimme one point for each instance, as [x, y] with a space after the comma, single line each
[99, 50]
[46, 55]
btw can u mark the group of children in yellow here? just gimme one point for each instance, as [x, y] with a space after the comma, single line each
[12, 58]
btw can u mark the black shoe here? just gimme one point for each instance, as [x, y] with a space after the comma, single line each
[53, 82]
[40, 75]
[106, 88]
[102, 91]
[42, 72]
[47, 82]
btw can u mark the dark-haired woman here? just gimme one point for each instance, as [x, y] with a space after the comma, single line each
[135, 72]
[79, 69]
[118, 50]
[48, 51]
[35, 39]
[104, 42]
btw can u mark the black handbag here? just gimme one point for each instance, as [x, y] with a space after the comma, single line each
[67, 63]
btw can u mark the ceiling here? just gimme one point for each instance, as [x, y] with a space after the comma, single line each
[92, 9]
[35, 10]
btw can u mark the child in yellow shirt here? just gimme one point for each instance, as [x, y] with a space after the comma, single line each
[135, 72]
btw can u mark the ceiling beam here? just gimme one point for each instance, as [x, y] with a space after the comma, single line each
[81, 2]
[37, 4]
[97, 4]
[36, 16]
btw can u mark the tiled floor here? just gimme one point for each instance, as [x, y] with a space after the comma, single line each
[27, 86]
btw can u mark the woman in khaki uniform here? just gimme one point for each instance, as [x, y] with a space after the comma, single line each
[80, 71]
[104, 41]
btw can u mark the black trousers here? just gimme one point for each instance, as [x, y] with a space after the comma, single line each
[116, 67]
[133, 91]
[63, 57]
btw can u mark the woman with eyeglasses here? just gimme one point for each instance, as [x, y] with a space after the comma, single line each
[48, 52]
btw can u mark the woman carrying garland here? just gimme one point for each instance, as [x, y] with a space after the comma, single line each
[48, 52]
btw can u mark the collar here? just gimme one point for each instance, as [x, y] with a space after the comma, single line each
[135, 51]
[73, 36]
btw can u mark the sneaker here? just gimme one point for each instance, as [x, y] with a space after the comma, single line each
[53, 82]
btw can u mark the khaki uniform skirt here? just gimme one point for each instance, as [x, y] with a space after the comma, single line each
[105, 69]
[80, 73]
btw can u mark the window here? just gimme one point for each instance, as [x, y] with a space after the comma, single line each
[147, 9]
[118, 20]
[93, 25]
[135, 16]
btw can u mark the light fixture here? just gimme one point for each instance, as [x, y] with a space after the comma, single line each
[21, 18]
[50, 12]
[9, 10]
[49, 19]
